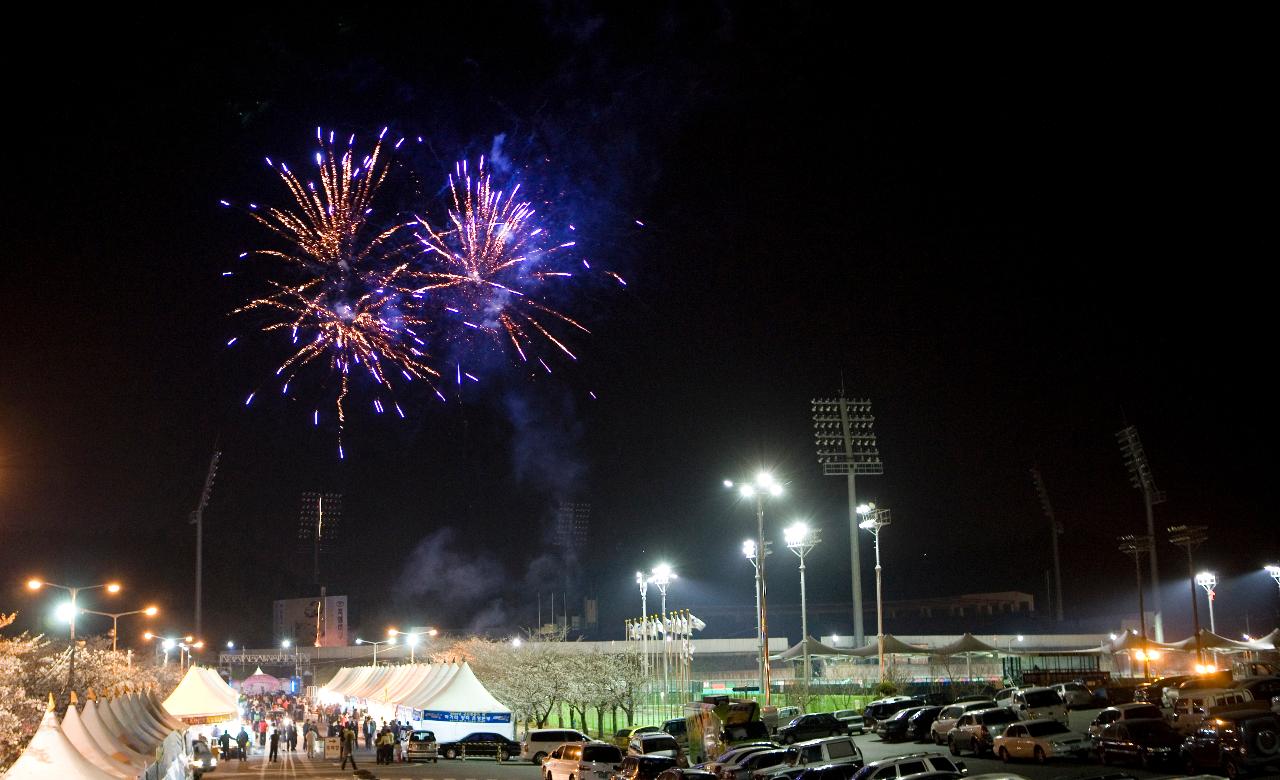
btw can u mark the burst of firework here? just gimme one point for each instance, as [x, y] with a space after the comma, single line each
[348, 310]
[485, 267]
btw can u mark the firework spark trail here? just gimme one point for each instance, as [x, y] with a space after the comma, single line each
[487, 262]
[348, 311]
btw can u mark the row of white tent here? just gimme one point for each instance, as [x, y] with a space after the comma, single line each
[445, 698]
[132, 735]
[969, 645]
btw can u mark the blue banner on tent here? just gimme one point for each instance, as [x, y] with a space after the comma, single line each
[466, 717]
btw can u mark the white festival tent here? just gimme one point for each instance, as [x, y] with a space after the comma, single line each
[202, 697]
[122, 737]
[445, 698]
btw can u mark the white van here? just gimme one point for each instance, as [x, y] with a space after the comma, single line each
[539, 743]
[1195, 704]
[1038, 704]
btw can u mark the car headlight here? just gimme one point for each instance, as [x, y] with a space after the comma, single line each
[1160, 749]
[196, 762]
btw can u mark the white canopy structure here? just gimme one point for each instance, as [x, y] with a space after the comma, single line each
[445, 698]
[202, 697]
[51, 756]
[260, 682]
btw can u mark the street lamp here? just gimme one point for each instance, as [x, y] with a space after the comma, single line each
[643, 582]
[800, 539]
[1135, 545]
[115, 619]
[749, 550]
[1274, 571]
[390, 641]
[1208, 580]
[167, 643]
[1190, 537]
[764, 486]
[875, 519]
[36, 584]
[286, 644]
[661, 576]
[411, 639]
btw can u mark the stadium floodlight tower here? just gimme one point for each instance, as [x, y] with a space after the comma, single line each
[1140, 476]
[1274, 571]
[1190, 537]
[1137, 546]
[1055, 530]
[801, 539]
[844, 432]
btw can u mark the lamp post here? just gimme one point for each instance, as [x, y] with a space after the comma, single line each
[875, 519]
[168, 643]
[411, 639]
[749, 550]
[390, 641]
[1274, 571]
[1208, 580]
[800, 539]
[764, 486]
[37, 584]
[1131, 544]
[285, 644]
[661, 576]
[115, 618]
[1190, 537]
[643, 582]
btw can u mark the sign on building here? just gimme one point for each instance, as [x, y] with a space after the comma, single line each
[317, 621]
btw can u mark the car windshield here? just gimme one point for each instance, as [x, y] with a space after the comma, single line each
[1149, 729]
[1073, 687]
[664, 742]
[1041, 698]
[1144, 712]
[999, 716]
[421, 736]
[1046, 728]
[741, 732]
[603, 754]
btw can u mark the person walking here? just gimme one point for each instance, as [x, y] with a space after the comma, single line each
[369, 730]
[309, 740]
[275, 745]
[242, 739]
[349, 747]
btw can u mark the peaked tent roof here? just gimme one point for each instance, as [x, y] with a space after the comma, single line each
[464, 693]
[110, 744]
[892, 646]
[968, 644]
[51, 756]
[198, 697]
[1211, 641]
[1269, 642]
[74, 730]
[816, 648]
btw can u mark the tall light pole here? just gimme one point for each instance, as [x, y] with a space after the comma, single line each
[1055, 530]
[115, 619]
[1274, 571]
[800, 539]
[875, 520]
[197, 519]
[764, 486]
[749, 550]
[661, 577]
[37, 584]
[1137, 546]
[1208, 580]
[1140, 476]
[390, 641]
[168, 643]
[411, 639]
[643, 582]
[1190, 537]
[844, 432]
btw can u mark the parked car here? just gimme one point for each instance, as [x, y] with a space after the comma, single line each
[539, 743]
[1119, 712]
[883, 708]
[1219, 679]
[1263, 689]
[736, 752]
[894, 727]
[1193, 706]
[643, 767]
[481, 744]
[832, 772]
[1235, 744]
[852, 720]
[1040, 740]
[918, 725]
[977, 730]
[817, 724]
[1039, 703]
[582, 761]
[743, 768]
[202, 759]
[826, 752]
[1074, 695]
[1153, 692]
[422, 747]
[910, 764]
[677, 728]
[948, 716]
[654, 744]
[622, 737]
[788, 714]
[676, 773]
[1004, 697]
[1150, 743]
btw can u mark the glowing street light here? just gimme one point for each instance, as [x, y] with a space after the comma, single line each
[874, 520]
[764, 486]
[800, 539]
[115, 619]
[411, 639]
[749, 552]
[1208, 580]
[390, 641]
[643, 582]
[69, 612]
[1274, 571]
[184, 645]
[661, 576]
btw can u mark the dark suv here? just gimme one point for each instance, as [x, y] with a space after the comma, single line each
[818, 724]
[1234, 743]
[879, 710]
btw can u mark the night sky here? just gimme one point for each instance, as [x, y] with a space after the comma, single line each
[1014, 251]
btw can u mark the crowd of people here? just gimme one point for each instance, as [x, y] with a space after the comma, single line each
[278, 722]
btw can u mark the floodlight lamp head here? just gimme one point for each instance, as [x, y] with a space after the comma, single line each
[764, 479]
[34, 584]
[747, 491]
[411, 640]
[1206, 579]
[392, 632]
[1272, 569]
[867, 525]
[285, 644]
[169, 644]
[113, 587]
[359, 641]
[662, 574]
[65, 612]
[865, 509]
[151, 611]
[796, 534]
[728, 483]
[749, 548]
[775, 490]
